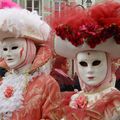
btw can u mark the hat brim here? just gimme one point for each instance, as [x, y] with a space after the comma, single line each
[35, 39]
[66, 49]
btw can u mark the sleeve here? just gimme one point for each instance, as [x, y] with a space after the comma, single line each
[108, 105]
[51, 108]
[42, 101]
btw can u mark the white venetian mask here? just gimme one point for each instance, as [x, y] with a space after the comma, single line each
[92, 67]
[14, 51]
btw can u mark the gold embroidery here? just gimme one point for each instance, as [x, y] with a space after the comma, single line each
[33, 103]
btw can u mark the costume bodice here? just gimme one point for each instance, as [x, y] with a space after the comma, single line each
[105, 102]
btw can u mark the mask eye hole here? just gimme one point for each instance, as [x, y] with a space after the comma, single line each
[83, 63]
[5, 49]
[14, 47]
[96, 62]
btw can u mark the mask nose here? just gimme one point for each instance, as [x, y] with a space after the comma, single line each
[90, 69]
[8, 55]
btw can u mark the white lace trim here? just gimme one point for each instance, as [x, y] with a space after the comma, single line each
[12, 103]
[92, 98]
[18, 82]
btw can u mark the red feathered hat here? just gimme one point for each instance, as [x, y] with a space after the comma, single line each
[96, 28]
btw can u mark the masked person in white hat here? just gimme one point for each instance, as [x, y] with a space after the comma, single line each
[25, 93]
[92, 38]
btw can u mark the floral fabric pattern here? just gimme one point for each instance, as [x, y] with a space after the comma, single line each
[106, 106]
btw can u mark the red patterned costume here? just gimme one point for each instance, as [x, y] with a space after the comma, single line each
[86, 36]
[25, 92]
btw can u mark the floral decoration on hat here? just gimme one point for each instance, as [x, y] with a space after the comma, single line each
[92, 26]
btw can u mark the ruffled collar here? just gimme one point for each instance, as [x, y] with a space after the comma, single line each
[11, 92]
[81, 98]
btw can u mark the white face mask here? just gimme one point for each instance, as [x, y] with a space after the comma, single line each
[14, 51]
[92, 67]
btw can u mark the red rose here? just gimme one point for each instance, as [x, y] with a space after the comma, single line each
[81, 102]
[8, 91]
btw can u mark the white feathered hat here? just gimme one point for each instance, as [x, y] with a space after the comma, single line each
[17, 22]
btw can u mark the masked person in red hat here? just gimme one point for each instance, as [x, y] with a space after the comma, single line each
[92, 38]
[25, 93]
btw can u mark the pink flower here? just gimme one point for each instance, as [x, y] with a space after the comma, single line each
[8, 91]
[81, 102]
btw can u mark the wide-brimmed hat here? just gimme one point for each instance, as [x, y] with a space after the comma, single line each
[66, 49]
[96, 28]
[18, 22]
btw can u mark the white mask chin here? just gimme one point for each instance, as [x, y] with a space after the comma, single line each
[14, 51]
[92, 67]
